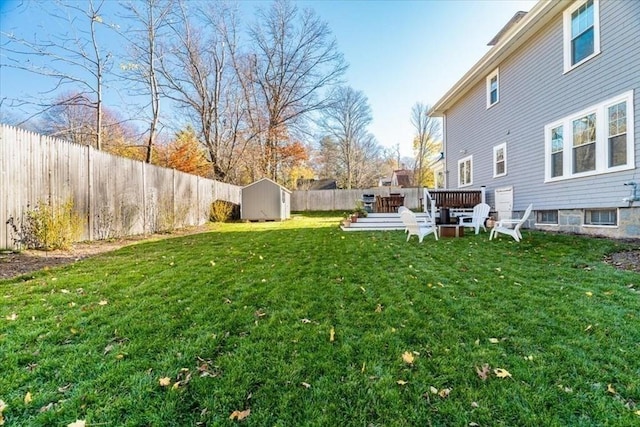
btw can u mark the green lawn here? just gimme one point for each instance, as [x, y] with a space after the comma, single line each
[304, 324]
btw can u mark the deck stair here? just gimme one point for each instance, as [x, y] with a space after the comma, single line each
[380, 222]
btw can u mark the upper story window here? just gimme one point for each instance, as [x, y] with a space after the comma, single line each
[596, 140]
[500, 160]
[581, 33]
[465, 171]
[492, 88]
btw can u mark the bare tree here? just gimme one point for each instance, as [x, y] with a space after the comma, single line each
[149, 20]
[427, 131]
[295, 58]
[74, 59]
[346, 119]
[199, 76]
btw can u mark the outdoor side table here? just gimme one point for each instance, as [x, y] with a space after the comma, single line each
[451, 230]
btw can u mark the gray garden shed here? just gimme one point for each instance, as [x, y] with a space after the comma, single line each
[265, 200]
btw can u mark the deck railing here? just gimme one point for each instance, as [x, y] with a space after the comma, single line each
[454, 199]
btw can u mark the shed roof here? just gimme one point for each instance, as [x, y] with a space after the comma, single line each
[512, 39]
[268, 180]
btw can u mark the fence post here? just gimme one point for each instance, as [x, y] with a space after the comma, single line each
[90, 192]
[144, 199]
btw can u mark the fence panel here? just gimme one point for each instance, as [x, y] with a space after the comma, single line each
[116, 196]
[345, 200]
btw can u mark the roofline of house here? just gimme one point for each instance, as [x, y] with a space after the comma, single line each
[540, 15]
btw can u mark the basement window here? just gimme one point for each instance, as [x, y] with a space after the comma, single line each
[547, 217]
[608, 217]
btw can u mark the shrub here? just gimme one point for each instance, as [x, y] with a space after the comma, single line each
[221, 211]
[49, 227]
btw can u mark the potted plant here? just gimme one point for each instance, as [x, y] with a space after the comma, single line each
[359, 211]
[346, 220]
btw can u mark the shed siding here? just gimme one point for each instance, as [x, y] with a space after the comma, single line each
[533, 93]
[263, 200]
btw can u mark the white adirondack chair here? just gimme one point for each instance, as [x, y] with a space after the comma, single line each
[511, 227]
[477, 219]
[416, 228]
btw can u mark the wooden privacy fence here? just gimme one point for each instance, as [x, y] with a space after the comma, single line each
[332, 200]
[115, 196]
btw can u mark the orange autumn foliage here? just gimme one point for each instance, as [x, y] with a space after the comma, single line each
[185, 154]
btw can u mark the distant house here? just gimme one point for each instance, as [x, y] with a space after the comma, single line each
[402, 178]
[399, 178]
[550, 116]
[265, 200]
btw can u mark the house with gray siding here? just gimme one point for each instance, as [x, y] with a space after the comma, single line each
[551, 116]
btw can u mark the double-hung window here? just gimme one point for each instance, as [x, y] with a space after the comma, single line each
[557, 147]
[584, 143]
[500, 160]
[581, 32]
[493, 95]
[593, 141]
[465, 171]
[617, 147]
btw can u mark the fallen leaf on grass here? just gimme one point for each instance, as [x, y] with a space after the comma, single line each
[589, 294]
[444, 393]
[637, 413]
[610, 389]
[103, 302]
[65, 388]
[475, 405]
[502, 373]
[433, 390]
[28, 398]
[3, 406]
[408, 358]
[78, 423]
[379, 308]
[107, 349]
[46, 408]
[483, 372]
[164, 381]
[305, 385]
[494, 340]
[305, 320]
[402, 382]
[332, 335]
[239, 415]
[13, 316]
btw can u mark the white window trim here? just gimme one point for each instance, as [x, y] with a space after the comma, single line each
[502, 146]
[495, 73]
[616, 225]
[602, 136]
[566, 17]
[463, 160]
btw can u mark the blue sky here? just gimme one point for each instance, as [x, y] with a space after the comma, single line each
[400, 52]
